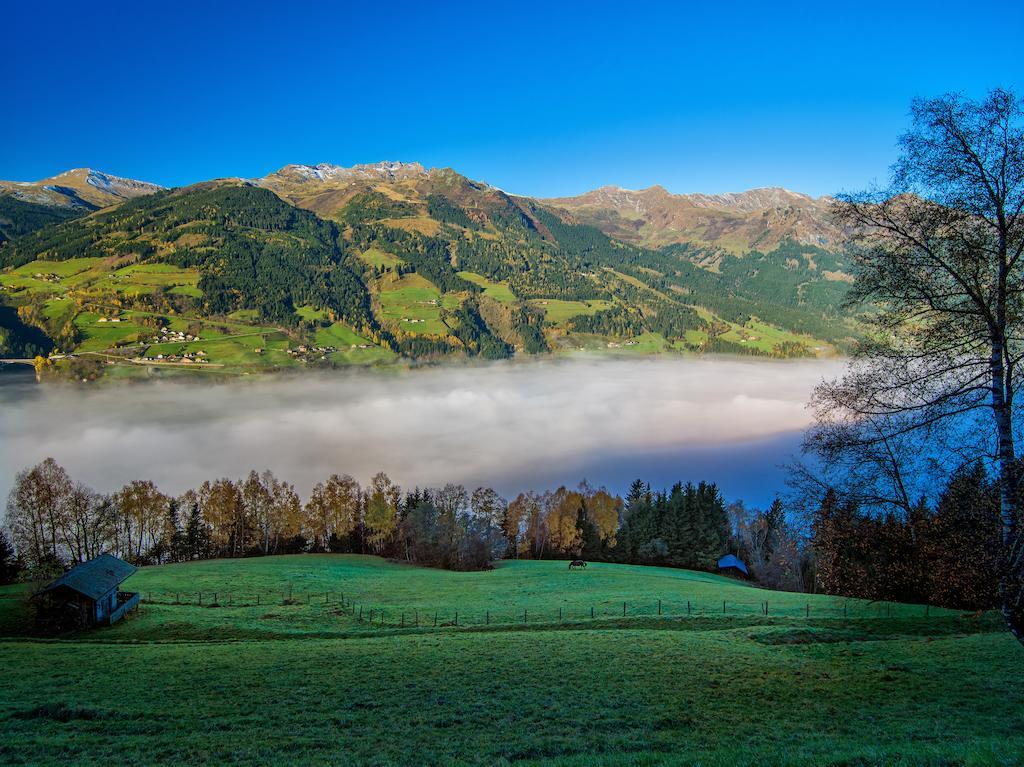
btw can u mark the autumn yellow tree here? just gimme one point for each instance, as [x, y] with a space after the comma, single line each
[333, 510]
[527, 518]
[381, 516]
[224, 511]
[141, 511]
[603, 512]
[564, 509]
[273, 508]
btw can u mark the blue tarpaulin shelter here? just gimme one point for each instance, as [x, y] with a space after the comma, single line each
[732, 562]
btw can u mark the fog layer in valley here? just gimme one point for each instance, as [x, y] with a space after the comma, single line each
[512, 426]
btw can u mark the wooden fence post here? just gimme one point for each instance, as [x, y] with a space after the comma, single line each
[435, 620]
[559, 614]
[687, 606]
[808, 609]
[723, 607]
[456, 617]
[403, 620]
[591, 612]
[623, 609]
[524, 615]
[659, 607]
[257, 600]
[200, 597]
[487, 620]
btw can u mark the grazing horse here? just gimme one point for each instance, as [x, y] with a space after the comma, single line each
[577, 563]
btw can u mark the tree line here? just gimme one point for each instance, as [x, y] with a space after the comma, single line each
[945, 553]
[55, 522]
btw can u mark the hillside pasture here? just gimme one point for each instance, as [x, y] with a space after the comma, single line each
[558, 312]
[301, 679]
[499, 291]
[540, 588]
[66, 268]
[100, 336]
[412, 304]
[380, 259]
[137, 279]
[348, 343]
[764, 337]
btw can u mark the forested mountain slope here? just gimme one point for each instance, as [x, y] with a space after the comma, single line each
[321, 265]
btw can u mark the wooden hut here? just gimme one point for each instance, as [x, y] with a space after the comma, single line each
[88, 594]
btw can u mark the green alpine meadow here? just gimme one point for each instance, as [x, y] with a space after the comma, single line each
[301, 678]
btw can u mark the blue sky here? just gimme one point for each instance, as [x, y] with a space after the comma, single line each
[537, 98]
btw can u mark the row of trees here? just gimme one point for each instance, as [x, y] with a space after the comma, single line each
[55, 521]
[945, 553]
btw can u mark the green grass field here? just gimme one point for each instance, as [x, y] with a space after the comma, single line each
[557, 311]
[413, 304]
[499, 291]
[378, 258]
[344, 339]
[307, 682]
[98, 336]
[764, 337]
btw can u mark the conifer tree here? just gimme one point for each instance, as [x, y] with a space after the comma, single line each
[9, 567]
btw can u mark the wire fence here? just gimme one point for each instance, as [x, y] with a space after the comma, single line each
[360, 610]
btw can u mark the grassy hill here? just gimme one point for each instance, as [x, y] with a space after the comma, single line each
[299, 678]
[403, 261]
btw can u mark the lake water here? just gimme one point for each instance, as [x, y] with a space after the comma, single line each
[514, 426]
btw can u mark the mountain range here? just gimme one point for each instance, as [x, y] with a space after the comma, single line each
[393, 260]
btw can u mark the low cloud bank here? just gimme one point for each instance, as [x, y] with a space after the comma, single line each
[512, 426]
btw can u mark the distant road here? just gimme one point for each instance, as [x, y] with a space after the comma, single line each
[12, 361]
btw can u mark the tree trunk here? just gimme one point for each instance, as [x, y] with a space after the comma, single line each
[1010, 581]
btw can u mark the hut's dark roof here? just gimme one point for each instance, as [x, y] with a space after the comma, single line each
[731, 560]
[95, 577]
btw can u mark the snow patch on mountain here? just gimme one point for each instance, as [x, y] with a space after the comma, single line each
[387, 170]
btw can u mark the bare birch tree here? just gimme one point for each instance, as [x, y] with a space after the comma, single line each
[938, 264]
